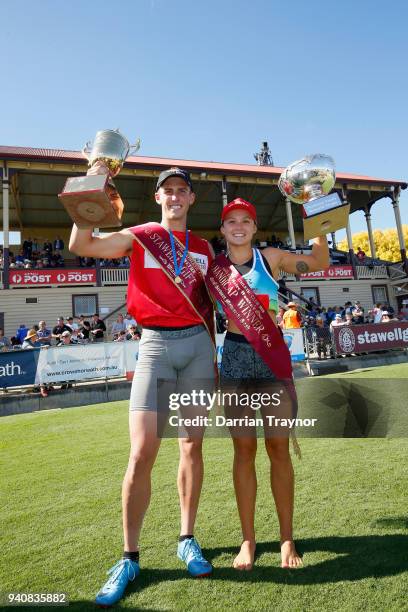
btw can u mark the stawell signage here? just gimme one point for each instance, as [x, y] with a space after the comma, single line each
[334, 272]
[53, 277]
[367, 338]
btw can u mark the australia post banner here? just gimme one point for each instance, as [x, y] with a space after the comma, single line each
[18, 368]
[60, 276]
[81, 362]
[374, 337]
[340, 272]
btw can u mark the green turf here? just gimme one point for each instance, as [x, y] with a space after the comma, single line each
[398, 370]
[61, 520]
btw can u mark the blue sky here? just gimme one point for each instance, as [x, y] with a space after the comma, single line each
[210, 81]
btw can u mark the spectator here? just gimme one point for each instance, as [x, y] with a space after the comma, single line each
[44, 334]
[31, 340]
[322, 339]
[70, 322]
[349, 319]
[60, 328]
[58, 244]
[28, 248]
[348, 309]
[21, 333]
[132, 331]
[65, 339]
[118, 326]
[97, 328]
[386, 318]
[377, 313]
[292, 318]
[279, 317]
[129, 320]
[337, 321]
[47, 247]
[5, 343]
[360, 255]
[282, 287]
[84, 332]
[358, 313]
[121, 336]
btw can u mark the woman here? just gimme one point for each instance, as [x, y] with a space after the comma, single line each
[240, 360]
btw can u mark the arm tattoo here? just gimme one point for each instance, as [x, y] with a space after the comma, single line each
[302, 267]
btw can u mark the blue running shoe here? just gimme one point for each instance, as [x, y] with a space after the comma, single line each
[189, 551]
[121, 574]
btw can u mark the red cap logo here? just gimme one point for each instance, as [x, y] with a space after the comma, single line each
[239, 204]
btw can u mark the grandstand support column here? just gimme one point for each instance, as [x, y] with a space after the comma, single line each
[290, 224]
[367, 215]
[97, 263]
[348, 233]
[224, 191]
[395, 205]
[6, 227]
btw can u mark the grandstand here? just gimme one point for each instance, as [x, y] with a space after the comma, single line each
[32, 178]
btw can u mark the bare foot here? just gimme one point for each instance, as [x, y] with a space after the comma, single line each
[290, 557]
[245, 558]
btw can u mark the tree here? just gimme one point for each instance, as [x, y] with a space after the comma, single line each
[386, 243]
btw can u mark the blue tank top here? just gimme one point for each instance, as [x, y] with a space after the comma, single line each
[261, 282]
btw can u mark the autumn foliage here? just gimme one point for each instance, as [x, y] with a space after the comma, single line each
[386, 243]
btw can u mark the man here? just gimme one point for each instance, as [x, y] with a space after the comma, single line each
[292, 318]
[176, 346]
[21, 333]
[71, 323]
[60, 328]
[58, 244]
[360, 255]
[44, 334]
[118, 326]
[358, 313]
[98, 328]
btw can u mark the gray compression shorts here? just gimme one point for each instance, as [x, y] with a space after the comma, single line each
[181, 357]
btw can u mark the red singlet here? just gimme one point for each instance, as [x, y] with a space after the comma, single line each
[152, 298]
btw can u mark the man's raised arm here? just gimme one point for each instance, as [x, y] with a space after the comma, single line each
[116, 244]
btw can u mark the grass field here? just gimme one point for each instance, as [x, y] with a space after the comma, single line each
[61, 520]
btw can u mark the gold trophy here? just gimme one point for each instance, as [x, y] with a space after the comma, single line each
[93, 200]
[308, 182]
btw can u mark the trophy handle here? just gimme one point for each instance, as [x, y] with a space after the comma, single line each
[135, 147]
[86, 150]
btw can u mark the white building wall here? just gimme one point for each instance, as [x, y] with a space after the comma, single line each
[51, 303]
[332, 291]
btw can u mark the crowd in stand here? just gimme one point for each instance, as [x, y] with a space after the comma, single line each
[71, 331]
[36, 255]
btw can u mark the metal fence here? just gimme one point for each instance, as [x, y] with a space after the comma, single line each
[318, 342]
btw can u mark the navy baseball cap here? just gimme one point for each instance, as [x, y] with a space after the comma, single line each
[166, 174]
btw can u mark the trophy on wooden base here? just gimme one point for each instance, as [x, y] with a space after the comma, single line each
[93, 200]
[308, 182]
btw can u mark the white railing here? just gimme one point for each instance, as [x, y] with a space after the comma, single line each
[114, 276]
[364, 272]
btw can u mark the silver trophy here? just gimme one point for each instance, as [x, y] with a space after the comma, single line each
[309, 182]
[92, 200]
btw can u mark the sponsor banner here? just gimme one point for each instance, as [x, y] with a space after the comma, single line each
[131, 350]
[373, 337]
[294, 342]
[18, 368]
[81, 362]
[59, 276]
[292, 337]
[339, 272]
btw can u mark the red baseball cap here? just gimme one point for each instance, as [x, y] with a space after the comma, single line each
[239, 204]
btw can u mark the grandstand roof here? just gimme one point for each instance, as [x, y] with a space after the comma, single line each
[38, 175]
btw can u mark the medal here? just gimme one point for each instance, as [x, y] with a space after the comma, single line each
[178, 267]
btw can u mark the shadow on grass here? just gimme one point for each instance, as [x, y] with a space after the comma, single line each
[356, 558]
[393, 522]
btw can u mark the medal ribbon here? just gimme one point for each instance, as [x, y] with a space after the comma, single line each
[178, 268]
